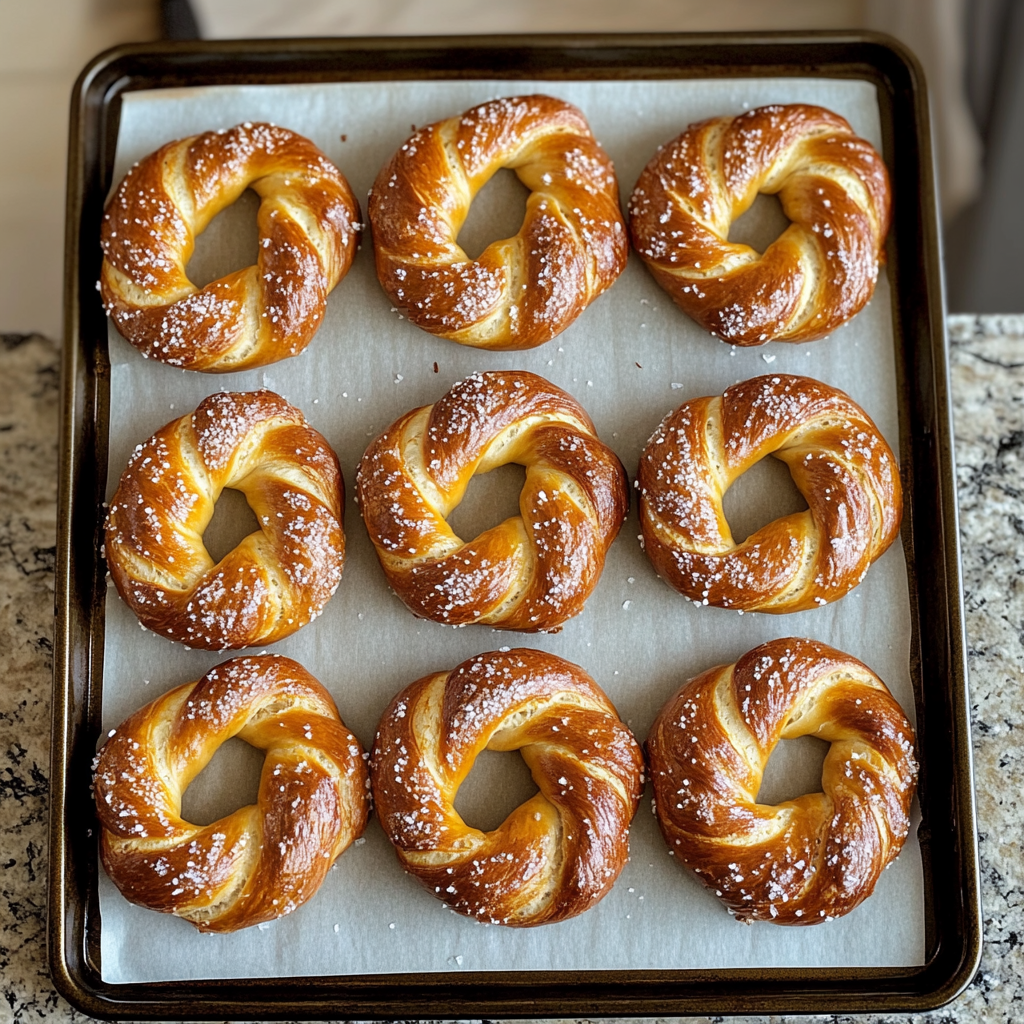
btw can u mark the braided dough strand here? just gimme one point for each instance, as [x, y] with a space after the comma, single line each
[524, 290]
[308, 224]
[531, 572]
[833, 186]
[264, 860]
[278, 578]
[558, 853]
[838, 460]
[804, 860]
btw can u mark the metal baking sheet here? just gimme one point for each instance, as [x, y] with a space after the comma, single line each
[640, 308]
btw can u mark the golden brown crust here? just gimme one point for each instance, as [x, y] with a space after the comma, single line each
[264, 860]
[529, 573]
[274, 581]
[524, 290]
[309, 228]
[838, 460]
[555, 855]
[833, 186]
[806, 860]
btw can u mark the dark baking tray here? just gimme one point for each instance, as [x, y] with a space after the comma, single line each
[930, 538]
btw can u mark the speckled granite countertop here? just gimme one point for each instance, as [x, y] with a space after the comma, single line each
[988, 389]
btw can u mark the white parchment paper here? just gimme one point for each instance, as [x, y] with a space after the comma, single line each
[630, 358]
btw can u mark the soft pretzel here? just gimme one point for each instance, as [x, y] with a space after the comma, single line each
[264, 860]
[278, 578]
[521, 291]
[820, 272]
[529, 573]
[308, 224]
[805, 860]
[554, 856]
[839, 462]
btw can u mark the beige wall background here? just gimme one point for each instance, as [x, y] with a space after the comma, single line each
[43, 46]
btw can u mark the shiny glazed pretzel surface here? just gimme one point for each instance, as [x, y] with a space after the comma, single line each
[821, 271]
[529, 573]
[273, 582]
[308, 224]
[558, 853]
[838, 460]
[805, 860]
[264, 860]
[521, 291]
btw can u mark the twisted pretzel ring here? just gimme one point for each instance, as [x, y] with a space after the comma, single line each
[278, 578]
[555, 855]
[838, 460]
[531, 572]
[264, 860]
[522, 291]
[308, 229]
[820, 272]
[805, 860]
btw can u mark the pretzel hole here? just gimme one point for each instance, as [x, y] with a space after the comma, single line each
[793, 770]
[764, 493]
[760, 224]
[229, 243]
[497, 784]
[497, 212]
[231, 780]
[233, 520]
[490, 499]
